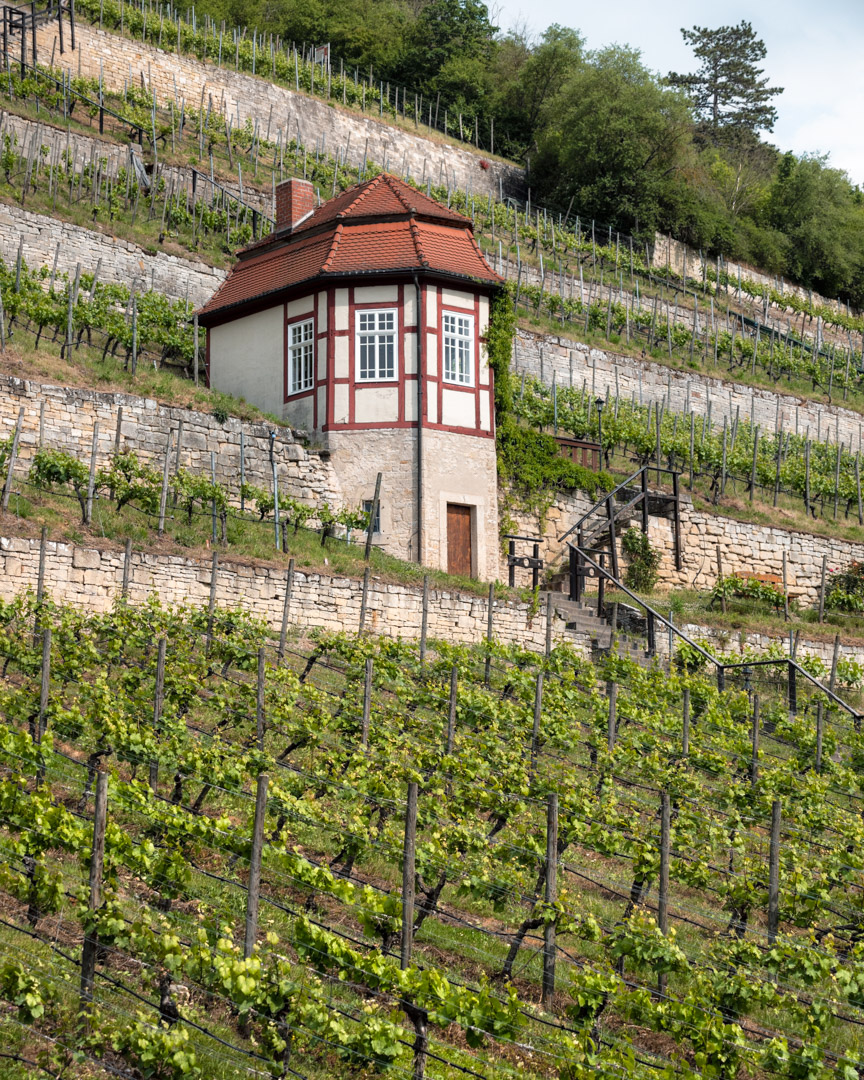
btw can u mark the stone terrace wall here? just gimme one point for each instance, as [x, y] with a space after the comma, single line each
[744, 547]
[177, 278]
[69, 414]
[240, 95]
[748, 547]
[548, 356]
[92, 579]
[733, 641]
[672, 253]
[85, 148]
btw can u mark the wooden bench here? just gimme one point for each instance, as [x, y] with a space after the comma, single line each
[767, 579]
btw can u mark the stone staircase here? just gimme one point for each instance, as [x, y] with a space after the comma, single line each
[583, 619]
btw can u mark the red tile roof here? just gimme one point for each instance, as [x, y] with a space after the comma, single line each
[380, 226]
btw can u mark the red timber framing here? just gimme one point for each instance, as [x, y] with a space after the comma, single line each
[405, 382]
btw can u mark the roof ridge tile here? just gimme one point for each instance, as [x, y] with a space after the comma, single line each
[334, 247]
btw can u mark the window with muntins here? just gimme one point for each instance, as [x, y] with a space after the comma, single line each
[301, 356]
[376, 345]
[367, 509]
[458, 348]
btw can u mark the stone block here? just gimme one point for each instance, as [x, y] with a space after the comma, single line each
[86, 559]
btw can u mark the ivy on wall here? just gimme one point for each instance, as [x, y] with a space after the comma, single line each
[529, 464]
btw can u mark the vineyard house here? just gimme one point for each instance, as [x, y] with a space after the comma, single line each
[351, 321]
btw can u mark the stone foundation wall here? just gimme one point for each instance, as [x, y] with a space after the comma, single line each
[244, 96]
[67, 416]
[92, 578]
[547, 357]
[175, 277]
[457, 468]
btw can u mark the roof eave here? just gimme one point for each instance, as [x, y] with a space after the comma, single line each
[216, 315]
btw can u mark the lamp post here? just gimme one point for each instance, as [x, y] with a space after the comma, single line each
[599, 403]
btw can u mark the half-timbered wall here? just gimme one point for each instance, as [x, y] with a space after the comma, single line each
[371, 425]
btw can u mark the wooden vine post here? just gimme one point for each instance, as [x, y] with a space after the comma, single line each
[373, 513]
[259, 699]
[367, 702]
[489, 610]
[13, 453]
[254, 887]
[754, 759]
[91, 477]
[822, 588]
[409, 875]
[286, 607]
[663, 884]
[451, 712]
[158, 695]
[364, 597]
[424, 618]
[549, 947]
[97, 860]
[774, 873]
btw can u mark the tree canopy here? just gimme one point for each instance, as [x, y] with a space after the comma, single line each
[727, 91]
[601, 133]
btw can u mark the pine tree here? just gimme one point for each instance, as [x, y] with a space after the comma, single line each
[727, 90]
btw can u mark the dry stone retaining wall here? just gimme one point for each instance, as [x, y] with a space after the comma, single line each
[84, 149]
[67, 415]
[549, 356]
[745, 547]
[244, 96]
[92, 578]
[43, 237]
[748, 547]
[679, 257]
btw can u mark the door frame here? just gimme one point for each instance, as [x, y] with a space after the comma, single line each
[476, 503]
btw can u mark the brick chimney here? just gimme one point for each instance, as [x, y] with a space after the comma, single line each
[294, 200]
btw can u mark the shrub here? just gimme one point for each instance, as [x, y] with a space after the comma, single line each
[644, 560]
[845, 589]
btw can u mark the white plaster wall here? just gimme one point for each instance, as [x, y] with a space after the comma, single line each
[457, 408]
[454, 298]
[376, 294]
[376, 405]
[246, 359]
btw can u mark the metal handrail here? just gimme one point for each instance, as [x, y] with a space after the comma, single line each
[719, 664]
[611, 494]
[789, 662]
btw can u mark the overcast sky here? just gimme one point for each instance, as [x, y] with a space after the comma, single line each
[815, 51]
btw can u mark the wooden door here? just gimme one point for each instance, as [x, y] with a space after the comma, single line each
[459, 540]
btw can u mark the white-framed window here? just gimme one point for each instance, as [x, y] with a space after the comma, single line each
[367, 509]
[301, 355]
[376, 344]
[458, 348]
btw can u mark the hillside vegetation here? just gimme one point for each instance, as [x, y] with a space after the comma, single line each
[603, 135]
[749, 964]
